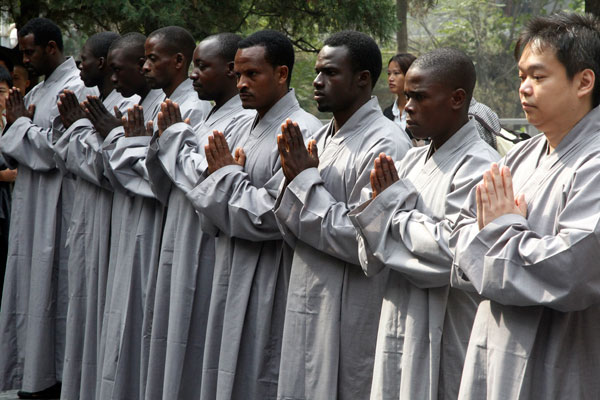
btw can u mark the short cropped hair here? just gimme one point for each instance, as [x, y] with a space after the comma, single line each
[362, 49]
[451, 67]
[133, 41]
[404, 60]
[177, 40]
[575, 39]
[5, 76]
[228, 44]
[278, 48]
[99, 43]
[43, 30]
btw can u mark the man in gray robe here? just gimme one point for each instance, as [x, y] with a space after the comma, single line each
[332, 308]
[168, 54]
[534, 256]
[186, 262]
[245, 321]
[89, 232]
[34, 303]
[424, 325]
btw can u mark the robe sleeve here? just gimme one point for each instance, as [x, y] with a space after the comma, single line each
[510, 263]
[394, 233]
[315, 217]
[127, 163]
[228, 200]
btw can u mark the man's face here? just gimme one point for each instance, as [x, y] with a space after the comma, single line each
[546, 93]
[428, 106]
[127, 76]
[258, 82]
[335, 83]
[21, 78]
[3, 95]
[89, 68]
[210, 71]
[34, 57]
[159, 67]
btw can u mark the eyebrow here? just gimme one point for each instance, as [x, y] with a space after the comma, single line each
[533, 67]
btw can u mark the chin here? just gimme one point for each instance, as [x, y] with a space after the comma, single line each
[323, 107]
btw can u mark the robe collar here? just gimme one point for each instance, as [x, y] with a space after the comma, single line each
[577, 136]
[151, 101]
[357, 123]
[183, 91]
[64, 70]
[232, 106]
[276, 114]
[466, 135]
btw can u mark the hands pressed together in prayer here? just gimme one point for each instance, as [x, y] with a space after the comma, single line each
[101, 118]
[495, 196]
[134, 123]
[218, 154]
[168, 115]
[15, 107]
[69, 108]
[383, 175]
[295, 157]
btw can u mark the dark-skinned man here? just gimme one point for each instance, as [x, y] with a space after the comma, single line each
[185, 272]
[168, 54]
[134, 233]
[78, 152]
[332, 308]
[245, 320]
[424, 325]
[34, 304]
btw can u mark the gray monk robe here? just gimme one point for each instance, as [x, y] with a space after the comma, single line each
[34, 302]
[424, 325]
[127, 162]
[135, 234]
[537, 335]
[79, 151]
[186, 262]
[242, 352]
[332, 308]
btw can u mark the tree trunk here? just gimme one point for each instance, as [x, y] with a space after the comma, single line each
[402, 33]
[593, 7]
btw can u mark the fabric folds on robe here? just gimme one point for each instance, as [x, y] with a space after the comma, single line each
[186, 263]
[34, 300]
[79, 152]
[332, 308]
[136, 223]
[424, 325]
[536, 337]
[242, 351]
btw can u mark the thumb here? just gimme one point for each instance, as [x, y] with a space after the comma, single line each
[187, 121]
[31, 110]
[118, 113]
[521, 204]
[149, 128]
[240, 156]
[313, 150]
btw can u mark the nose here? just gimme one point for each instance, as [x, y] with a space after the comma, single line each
[194, 74]
[318, 82]
[113, 78]
[241, 83]
[525, 89]
[409, 107]
[146, 66]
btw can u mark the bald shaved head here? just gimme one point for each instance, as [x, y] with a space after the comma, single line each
[175, 39]
[99, 43]
[228, 44]
[133, 42]
[451, 67]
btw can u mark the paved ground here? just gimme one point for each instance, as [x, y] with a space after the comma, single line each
[12, 395]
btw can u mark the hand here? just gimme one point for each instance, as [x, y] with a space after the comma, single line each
[383, 175]
[134, 123]
[8, 175]
[295, 158]
[169, 115]
[495, 196]
[15, 107]
[101, 118]
[69, 108]
[218, 154]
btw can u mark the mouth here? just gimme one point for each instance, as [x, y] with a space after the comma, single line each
[245, 96]
[527, 106]
[318, 96]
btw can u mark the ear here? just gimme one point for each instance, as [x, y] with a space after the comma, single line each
[141, 62]
[586, 80]
[101, 63]
[458, 99]
[51, 47]
[282, 72]
[230, 73]
[364, 79]
[179, 61]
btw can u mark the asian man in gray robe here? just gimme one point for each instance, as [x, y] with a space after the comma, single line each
[332, 307]
[34, 303]
[424, 325]
[245, 321]
[527, 239]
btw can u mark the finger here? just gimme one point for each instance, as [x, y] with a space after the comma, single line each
[287, 134]
[240, 156]
[485, 200]
[117, 112]
[374, 183]
[177, 113]
[521, 204]
[160, 122]
[385, 167]
[149, 128]
[281, 146]
[497, 181]
[313, 150]
[479, 206]
[393, 170]
[507, 182]
[379, 172]
[209, 157]
[490, 193]
[297, 135]
[31, 110]
[221, 143]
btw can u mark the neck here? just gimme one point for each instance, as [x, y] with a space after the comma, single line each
[261, 112]
[174, 85]
[438, 141]
[105, 86]
[556, 133]
[143, 92]
[401, 102]
[54, 63]
[342, 116]
[225, 96]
